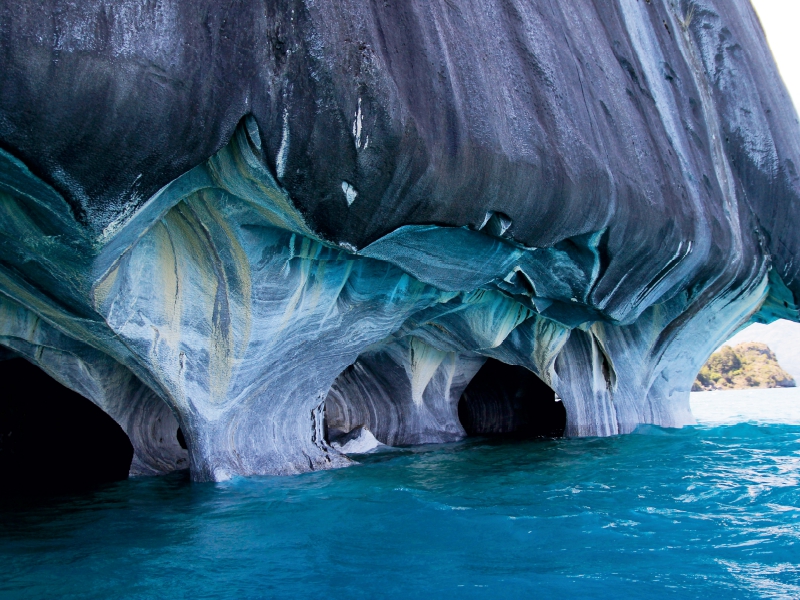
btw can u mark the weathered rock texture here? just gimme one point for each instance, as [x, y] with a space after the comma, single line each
[225, 213]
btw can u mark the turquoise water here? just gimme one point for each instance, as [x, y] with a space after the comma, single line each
[698, 512]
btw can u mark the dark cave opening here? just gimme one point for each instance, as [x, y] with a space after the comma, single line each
[52, 439]
[510, 401]
[181, 439]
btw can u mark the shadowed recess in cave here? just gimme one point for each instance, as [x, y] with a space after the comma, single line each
[509, 400]
[53, 439]
[335, 231]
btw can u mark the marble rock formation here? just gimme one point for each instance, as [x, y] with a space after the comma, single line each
[267, 222]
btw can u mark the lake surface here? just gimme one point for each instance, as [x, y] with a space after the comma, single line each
[779, 405]
[706, 511]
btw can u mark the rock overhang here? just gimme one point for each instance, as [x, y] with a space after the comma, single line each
[594, 208]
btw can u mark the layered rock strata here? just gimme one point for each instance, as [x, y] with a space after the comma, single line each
[267, 222]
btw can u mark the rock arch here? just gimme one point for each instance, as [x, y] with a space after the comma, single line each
[223, 273]
[510, 400]
[149, 424]
[53, 439]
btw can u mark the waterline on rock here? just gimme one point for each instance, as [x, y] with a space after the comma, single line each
[701, 511]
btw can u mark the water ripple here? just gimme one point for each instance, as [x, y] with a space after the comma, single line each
[700, 512]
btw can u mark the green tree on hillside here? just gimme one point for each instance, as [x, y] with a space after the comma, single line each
[748, 365]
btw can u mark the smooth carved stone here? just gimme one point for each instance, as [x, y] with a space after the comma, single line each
[403, 392]
[272, 223]
[358, 441]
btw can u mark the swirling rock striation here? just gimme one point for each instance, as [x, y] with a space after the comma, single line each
[266, 221]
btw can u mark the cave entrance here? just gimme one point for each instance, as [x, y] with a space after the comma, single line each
[761, 355]
[753, 376]
[508, 400]
[53, 439]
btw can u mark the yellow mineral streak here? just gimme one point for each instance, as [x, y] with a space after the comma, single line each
[240, 304]
[102, 289]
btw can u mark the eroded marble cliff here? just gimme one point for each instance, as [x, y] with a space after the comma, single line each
[272, 222]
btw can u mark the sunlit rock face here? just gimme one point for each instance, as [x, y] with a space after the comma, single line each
[271, 223]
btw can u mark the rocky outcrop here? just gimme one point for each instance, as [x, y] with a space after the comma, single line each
[780, 336]
[269, 221]
[748, 365]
